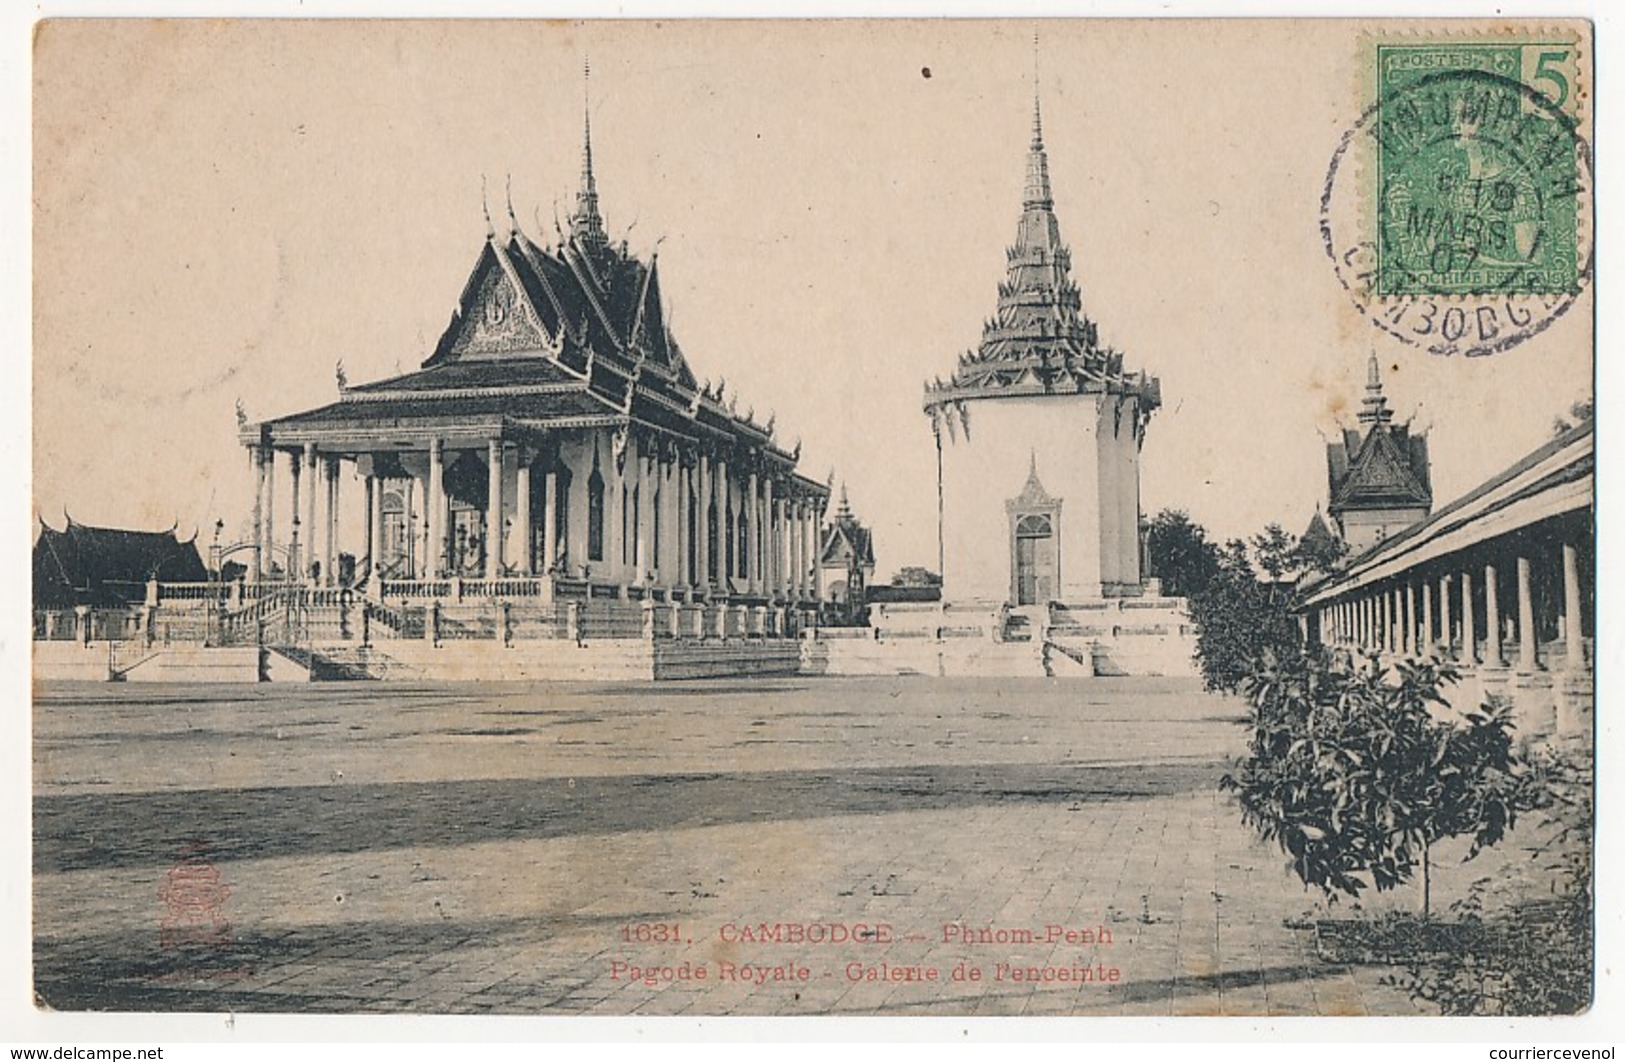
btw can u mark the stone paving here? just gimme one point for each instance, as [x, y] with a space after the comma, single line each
[361, 847]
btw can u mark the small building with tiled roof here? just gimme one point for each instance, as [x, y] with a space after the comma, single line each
[106, 567]
[847, 557]
[1378, 475]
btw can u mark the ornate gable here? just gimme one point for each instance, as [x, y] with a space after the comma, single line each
[496, 318]
[1033, 497]
[1387, 469]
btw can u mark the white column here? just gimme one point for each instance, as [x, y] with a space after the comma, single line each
[1528, 635]
[269, 555]
[770, 552]
[1573, 627]
[782, 548]
[724, 556]
[702, 521]
[680, 476]
[642, 556]
[435, 512]
[801, 550]
[550, 519]
[330, 541]
[296, 557]
[753, 545]
[493, 510]
[375, 532]
[1492, 620]
[523, 524]
[256, 454]
[409, 527]
[313, 475]
[817, 554]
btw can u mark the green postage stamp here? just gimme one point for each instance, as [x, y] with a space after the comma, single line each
[1457, 209]
[1477, 168]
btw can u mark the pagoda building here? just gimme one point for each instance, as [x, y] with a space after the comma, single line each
[555, 443]
[1038, 435]
[847, 558]
[1377, 474]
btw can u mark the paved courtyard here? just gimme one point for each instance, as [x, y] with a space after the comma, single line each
[904, 846]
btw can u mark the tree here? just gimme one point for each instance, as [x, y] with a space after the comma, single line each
[1319, 554]
[1581, 412]
[1178, 552]
[1240, 620]
[913, 575]
[1355, 779]
[1276, 551]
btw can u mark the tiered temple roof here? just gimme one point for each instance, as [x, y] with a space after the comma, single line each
[567, 335]
[1039, 341]
[1380, 465]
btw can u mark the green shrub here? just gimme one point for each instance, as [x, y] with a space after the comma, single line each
[1350, 771]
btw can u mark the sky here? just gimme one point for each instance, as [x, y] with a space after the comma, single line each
[224, 210]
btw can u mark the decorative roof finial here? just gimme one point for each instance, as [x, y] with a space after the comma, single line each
[1376, 409]
[340, 375]
[1038, 120]
[513, 222]
[1037, 193]
[586, 225]
[845, 511]
[485, 208]
[242, 415]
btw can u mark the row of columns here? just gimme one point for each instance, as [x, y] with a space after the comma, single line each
[774, 547]
[1414, 616]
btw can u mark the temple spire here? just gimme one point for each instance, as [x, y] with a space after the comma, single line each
[1037, 194]
[1376, 409]
[586, 224]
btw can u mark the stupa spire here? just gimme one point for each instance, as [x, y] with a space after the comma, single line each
[1037, 193]
[586, 224]
[1375, 409]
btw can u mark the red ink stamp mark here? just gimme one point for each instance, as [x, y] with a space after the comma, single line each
[194, 896]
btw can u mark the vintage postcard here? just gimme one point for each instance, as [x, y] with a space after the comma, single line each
[813, 518]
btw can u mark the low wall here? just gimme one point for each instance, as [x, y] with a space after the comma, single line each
[198, 665]
[71, 660]
[1141, 636]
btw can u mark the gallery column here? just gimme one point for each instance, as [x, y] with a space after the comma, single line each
[1425, 641]
[1493, 656]
[1573, 626]
[1446, 635]
[1528, 635]
[1469, 637]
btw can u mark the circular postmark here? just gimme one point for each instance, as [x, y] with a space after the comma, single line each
[1456, 212]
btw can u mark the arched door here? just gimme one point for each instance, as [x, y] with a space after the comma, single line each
[1035, 560]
